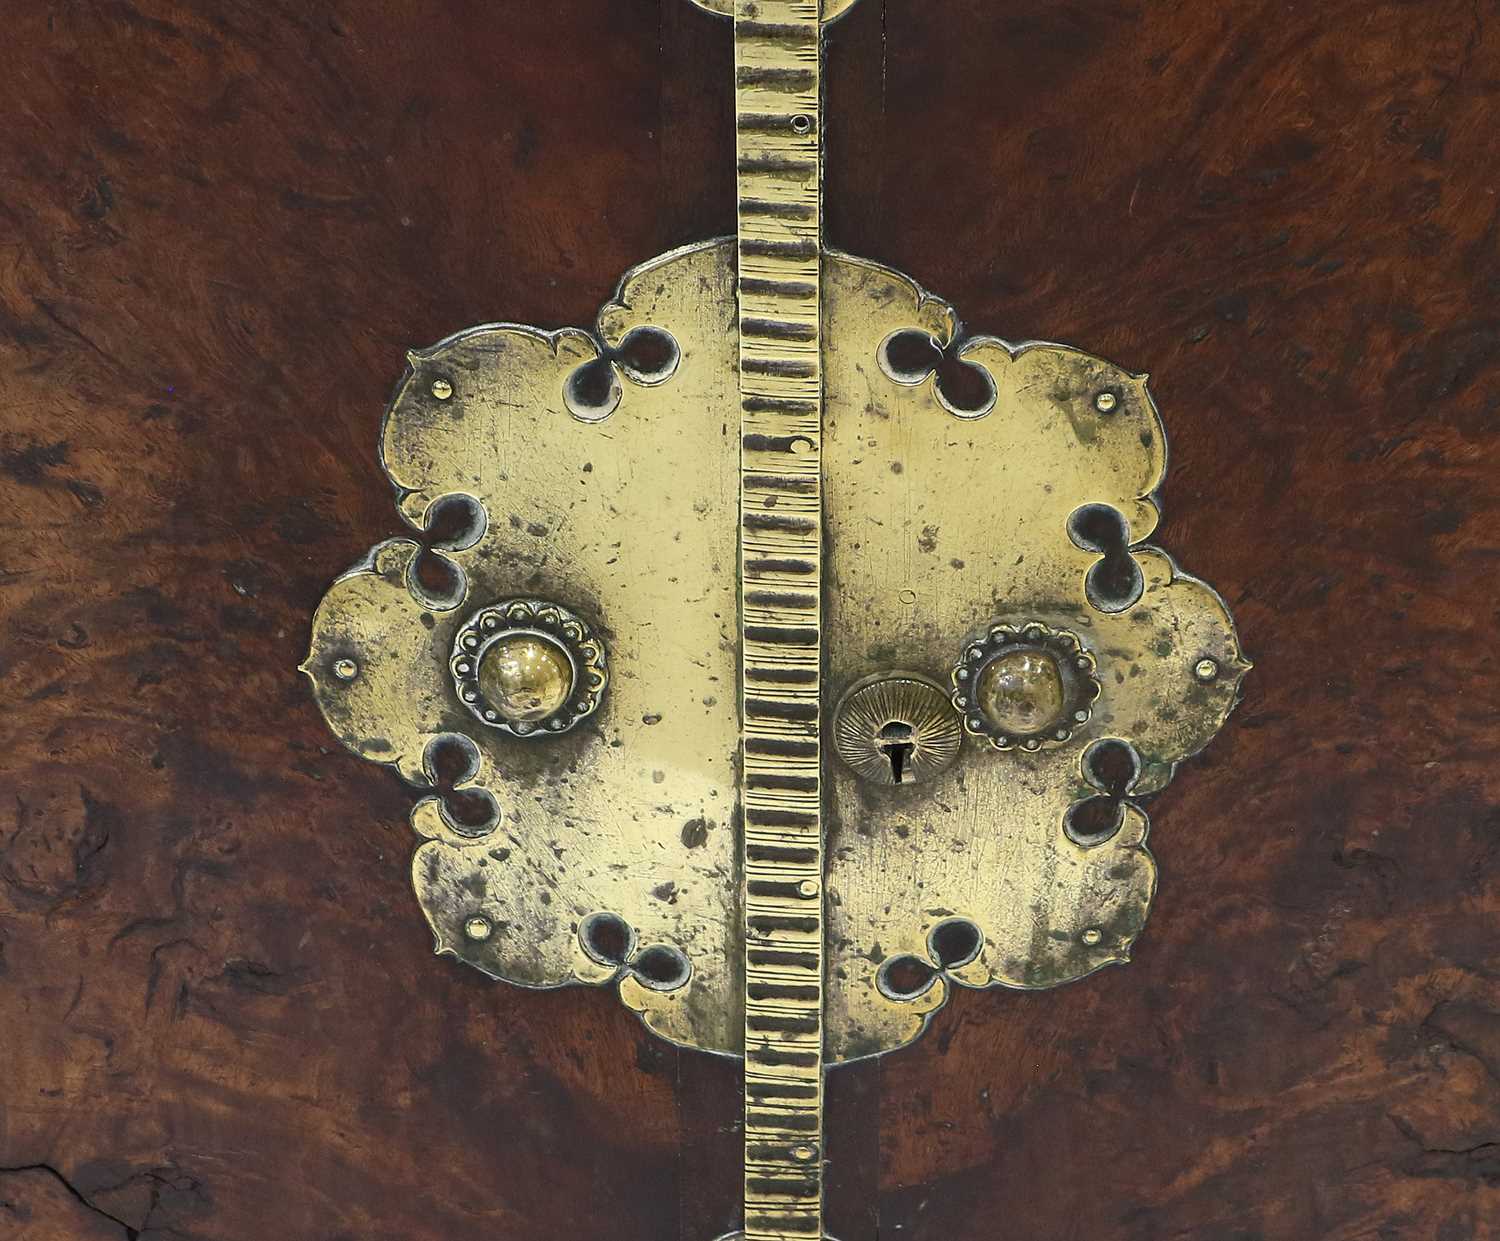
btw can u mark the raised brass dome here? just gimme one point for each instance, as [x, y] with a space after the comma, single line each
[1021, 691]
[525, 677]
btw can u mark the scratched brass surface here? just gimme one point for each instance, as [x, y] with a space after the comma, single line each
[939, 527]
[630, 523]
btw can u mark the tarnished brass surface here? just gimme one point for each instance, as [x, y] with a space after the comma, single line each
[629, 522]
[939, 527]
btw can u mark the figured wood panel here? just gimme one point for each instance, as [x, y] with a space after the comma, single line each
[221, 223]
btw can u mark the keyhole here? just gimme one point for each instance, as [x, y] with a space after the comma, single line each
[896, 744]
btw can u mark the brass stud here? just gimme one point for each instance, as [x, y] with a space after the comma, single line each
[1022, 690]
[1106, 402]
[526, 677]
[804, 1154]
[801, 446]
[479, 928]
[808, 887]
[346, 670]
[442, 389]
[1206, 669]
[1092, 936]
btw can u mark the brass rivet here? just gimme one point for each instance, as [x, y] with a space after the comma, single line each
[1092, 936]
[804, 1153]
[442, 389]
[478, 929]
[346, 670]
[1206, 669]
[808, 887]
[1105, 402]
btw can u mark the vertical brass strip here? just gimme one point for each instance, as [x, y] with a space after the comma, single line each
[778, 104]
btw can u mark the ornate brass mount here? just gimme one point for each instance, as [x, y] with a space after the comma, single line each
[613, 651]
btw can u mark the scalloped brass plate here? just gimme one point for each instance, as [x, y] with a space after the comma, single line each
[941, 525]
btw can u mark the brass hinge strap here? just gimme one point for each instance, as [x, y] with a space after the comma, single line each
[778, 113]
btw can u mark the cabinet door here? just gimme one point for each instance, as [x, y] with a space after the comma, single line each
[222, 225]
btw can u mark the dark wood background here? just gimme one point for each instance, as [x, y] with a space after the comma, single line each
[221, 223]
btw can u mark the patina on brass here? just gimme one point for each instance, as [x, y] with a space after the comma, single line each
[664, 611]
[637, 518]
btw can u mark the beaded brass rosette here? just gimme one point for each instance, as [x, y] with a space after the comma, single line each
[1025, 686]
[528, 667]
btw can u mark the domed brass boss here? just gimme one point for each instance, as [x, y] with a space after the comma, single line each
[1025, 686]
[528, 667]
[526, 677]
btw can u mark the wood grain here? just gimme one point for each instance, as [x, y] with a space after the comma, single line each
[221, 223]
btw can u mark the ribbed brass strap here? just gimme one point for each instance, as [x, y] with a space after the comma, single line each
[778, 105]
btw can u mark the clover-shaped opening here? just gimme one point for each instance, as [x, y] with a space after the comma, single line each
[452, 523]
[662, 967]
[964, 389]
[1113, 767]
[610, 940]
[1115, 582]
[607, 938]
[905, 977]
[951, 944]
[452, 760]
[648, 355]
[955, 942]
